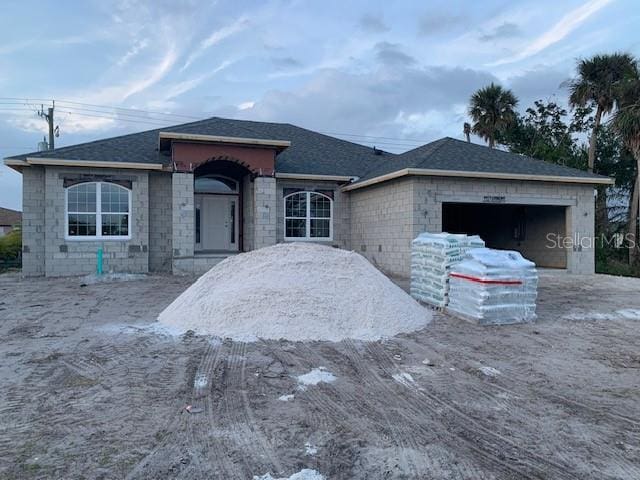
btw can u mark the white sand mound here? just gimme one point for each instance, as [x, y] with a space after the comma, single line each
[295, 291]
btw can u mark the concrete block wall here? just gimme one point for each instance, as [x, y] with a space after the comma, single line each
[382, 224]
[182, 213]
[78, 257]
[33, 235]
[387, 216]
[160, 222]
[264, 213]
[341, 210]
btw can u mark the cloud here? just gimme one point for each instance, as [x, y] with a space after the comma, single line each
[285, 62]
[539, 83]
[504, 30]
[216, 37]
[135, 49]
[372, 24]
[431, 23]
[423, 102]
[567, 24]
[391, 54]
[185, 86]
[152, 77]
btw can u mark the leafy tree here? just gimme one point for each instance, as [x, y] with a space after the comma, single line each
[545, 132]
[492, 109]
[596, 85]
[626, 122]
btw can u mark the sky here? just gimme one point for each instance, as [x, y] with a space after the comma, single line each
[390, 74]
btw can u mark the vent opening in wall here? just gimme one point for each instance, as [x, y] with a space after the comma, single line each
[379, 248]
[363, 248]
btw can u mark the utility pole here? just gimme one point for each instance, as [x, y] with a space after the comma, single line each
[53, 131]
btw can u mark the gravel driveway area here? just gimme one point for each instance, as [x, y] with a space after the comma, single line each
[91, 388]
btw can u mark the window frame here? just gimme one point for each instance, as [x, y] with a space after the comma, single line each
[98, 214]
[217, 177]
[308, 218]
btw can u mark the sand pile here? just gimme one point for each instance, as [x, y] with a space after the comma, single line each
[295, 291]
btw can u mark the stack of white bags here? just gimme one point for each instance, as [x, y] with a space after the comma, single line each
[432, 256]
[493, 287]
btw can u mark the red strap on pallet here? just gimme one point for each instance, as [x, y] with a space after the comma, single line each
[482, 280]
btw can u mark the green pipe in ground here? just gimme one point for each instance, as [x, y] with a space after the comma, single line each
[99, 262]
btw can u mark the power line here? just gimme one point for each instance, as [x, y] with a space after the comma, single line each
[118, 114]
[421, 142]
[150, 112]
[70, 103]
[150, 122]
[142, 116]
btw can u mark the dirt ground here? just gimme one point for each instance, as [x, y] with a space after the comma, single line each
[89, 388]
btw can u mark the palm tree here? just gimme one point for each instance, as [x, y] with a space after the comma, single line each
[597, 82]
[492, 110]
[626, 122]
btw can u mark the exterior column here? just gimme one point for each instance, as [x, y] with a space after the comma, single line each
[183, 221]
[264, 212]
[33, 221]
[581, 234]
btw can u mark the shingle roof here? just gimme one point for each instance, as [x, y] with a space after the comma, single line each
[458, 155]
[310, 152]
[10, 217]
[314, 153]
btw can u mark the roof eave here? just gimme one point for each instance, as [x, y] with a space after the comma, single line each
[253, 142]
[313, 176]
[488, 175]
[17, 164]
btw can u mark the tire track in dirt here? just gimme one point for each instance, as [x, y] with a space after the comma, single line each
[417, 429]
[462, 360]
[250, 419]
[257, 453]
[416, 422]
[201, 428]
[486, 442]
[170, 446]
[329, 416]
[402, 438]
[622, 422]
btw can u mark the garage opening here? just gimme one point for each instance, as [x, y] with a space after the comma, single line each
[525, 228]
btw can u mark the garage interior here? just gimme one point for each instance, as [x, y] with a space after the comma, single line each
[525, 228]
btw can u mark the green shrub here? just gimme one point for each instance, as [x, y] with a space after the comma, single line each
[614, 261]
[11, 245]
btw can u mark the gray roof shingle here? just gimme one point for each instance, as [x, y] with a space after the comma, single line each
[310, 152]
[458, 155]
[314, 153]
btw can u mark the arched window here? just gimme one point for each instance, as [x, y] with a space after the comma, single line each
[308, 216]
[215, 184]
[98, 210]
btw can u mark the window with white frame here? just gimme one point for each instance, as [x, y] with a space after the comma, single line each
[98, 210]
[308, 215]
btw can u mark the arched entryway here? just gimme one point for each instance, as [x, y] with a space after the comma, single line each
[218, 206]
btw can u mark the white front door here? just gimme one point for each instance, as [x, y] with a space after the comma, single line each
[216, 222]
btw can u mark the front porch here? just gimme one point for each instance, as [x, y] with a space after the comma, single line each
[223, 200]
[199, 263]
